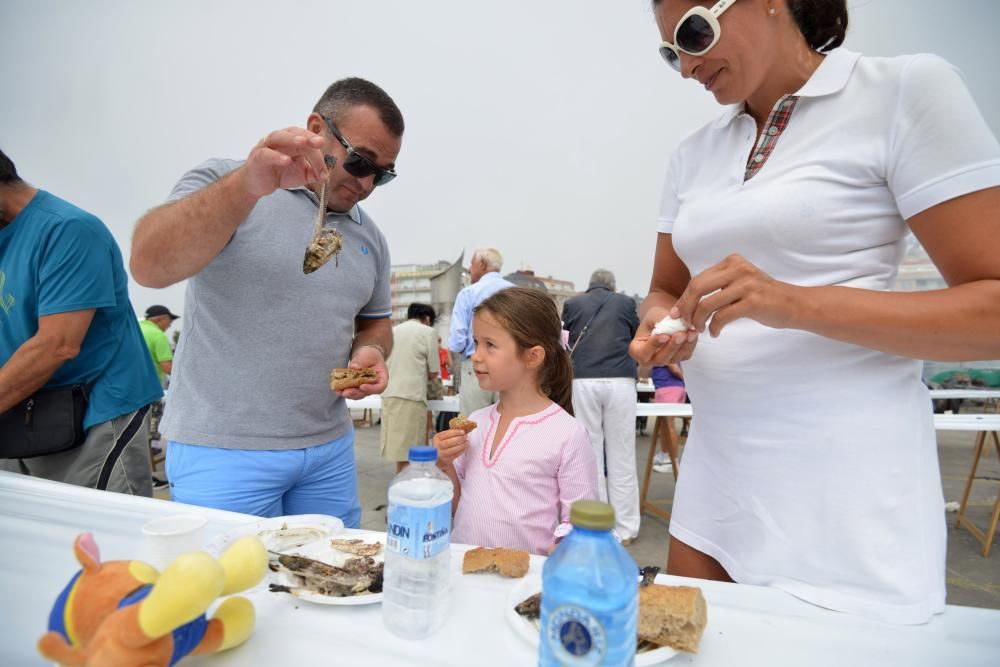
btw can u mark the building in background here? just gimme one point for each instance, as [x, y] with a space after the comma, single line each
[437, 284]
[558, 289]
[917, 272]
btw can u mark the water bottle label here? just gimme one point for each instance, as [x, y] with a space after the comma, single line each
[419, 533]
[575, 636]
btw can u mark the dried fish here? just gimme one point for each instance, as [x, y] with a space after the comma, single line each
[357, 576]
[357, 547]
[326, 241]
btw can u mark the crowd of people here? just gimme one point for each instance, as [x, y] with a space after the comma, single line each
[781, 227]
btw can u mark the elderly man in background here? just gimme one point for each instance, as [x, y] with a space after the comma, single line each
[413, 362]
[69, 345]
[251, 423]
[601, 325]
[484, 273]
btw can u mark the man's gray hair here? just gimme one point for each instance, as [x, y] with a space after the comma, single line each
[492, 257]
[603, 278]
[345, 94]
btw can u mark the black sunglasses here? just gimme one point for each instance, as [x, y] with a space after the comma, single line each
[357, 164]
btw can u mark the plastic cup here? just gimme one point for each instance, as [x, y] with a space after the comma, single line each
[168, 537]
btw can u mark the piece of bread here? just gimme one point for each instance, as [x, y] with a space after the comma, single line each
[346, 378]
[508, 562]
[462, 424]
[673, 616]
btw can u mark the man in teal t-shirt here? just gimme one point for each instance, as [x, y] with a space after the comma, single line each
[154, 331]
[65, 319]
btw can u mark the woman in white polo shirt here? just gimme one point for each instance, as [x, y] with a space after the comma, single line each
[812, 463]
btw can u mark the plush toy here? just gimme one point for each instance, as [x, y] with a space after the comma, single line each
[125, 613]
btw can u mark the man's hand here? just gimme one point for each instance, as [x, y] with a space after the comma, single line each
[367, 356]
[450, 445]
[287, 158]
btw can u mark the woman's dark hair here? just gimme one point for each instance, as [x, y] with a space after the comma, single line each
[822, 22]
[531, 318]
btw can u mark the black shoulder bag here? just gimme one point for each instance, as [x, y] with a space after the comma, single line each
[587, 325]
[48, 422]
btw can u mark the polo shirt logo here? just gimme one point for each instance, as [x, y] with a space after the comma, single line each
[364, 250]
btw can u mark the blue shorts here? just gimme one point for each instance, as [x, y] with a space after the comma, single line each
[314, 480]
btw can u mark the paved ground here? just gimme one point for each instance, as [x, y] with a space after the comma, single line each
[972, 580]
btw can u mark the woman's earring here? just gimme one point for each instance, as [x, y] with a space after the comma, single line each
[772, 11]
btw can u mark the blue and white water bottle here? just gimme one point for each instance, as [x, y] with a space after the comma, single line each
[590, 594]
[416, 584]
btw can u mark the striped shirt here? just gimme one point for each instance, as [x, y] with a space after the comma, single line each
[520, 498]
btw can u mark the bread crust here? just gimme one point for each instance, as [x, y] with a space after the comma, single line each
[508, 562]
[673, 616]
[347, 378]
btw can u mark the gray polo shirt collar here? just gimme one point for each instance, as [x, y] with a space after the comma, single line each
[354, 214]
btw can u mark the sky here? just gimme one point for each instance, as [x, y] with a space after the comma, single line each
[541, 128]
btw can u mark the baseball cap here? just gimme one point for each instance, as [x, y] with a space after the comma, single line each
[156, 311]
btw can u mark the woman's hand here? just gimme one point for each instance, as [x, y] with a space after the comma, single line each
[659, 350]
[450, 445]
[732, 289]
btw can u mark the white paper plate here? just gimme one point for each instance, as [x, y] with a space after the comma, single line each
[320, 526]
[529, 630]
[323, 551]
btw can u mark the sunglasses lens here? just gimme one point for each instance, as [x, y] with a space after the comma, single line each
[383, 177]
[358, 166]
[670, 56]
[695, 35]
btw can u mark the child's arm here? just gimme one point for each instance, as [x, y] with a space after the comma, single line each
[576, 477]
[451, 444]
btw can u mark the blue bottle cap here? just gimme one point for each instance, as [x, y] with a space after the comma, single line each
[421, 454]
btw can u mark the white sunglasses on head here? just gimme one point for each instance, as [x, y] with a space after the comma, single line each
[696, 33]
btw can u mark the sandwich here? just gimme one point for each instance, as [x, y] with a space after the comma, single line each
[508, 562]
[462, 424]
[347, 378]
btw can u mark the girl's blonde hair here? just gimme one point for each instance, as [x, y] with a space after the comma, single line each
[531, 318]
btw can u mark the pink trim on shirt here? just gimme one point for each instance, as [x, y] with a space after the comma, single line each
[509, 435]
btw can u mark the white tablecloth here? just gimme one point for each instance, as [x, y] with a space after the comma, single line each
[748, 625]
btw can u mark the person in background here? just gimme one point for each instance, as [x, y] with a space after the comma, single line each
[154, 332]
[66, 319]
[601, 323]
[444, 360]
[668, 381]
[251, 424]
[414, 361]
[484, 272]
[781, 228]
[528, 460]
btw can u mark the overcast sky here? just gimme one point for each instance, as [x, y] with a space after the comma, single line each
[539, 127]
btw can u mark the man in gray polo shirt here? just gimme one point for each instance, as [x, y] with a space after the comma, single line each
[251, 423]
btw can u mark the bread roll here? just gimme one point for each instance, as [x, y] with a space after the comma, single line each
[673, 616]
[346, 378]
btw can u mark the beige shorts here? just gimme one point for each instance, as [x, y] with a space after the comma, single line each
[404, 425]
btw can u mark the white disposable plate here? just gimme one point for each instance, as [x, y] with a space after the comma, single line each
[529, 630]
[323, 551]
[319, 527]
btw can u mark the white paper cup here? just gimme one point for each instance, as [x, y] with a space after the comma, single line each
[166, 538]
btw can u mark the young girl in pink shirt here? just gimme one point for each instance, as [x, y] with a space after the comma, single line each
[528, 459]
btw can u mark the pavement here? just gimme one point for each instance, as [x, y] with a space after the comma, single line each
[972, 580]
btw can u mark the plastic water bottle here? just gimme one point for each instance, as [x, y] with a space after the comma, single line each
[416, 584]
[590, 594]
